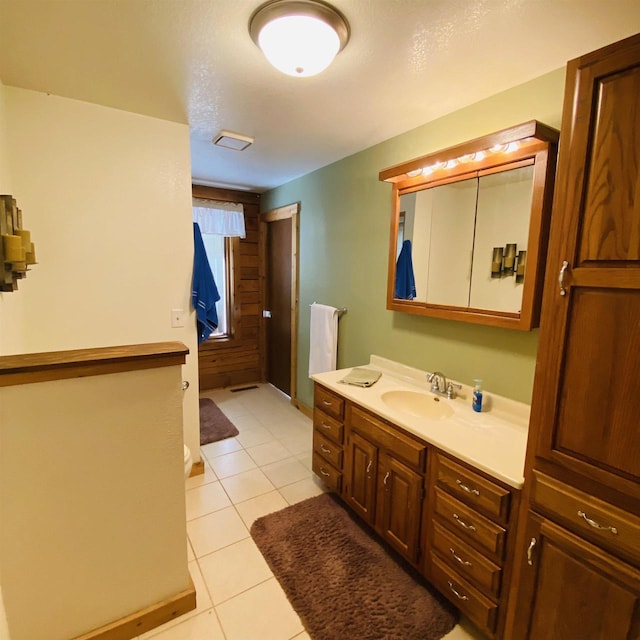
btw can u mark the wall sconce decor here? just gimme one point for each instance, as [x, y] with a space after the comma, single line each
[507, 261]
[17, 252]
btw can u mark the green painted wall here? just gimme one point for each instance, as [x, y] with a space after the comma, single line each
[344, 241]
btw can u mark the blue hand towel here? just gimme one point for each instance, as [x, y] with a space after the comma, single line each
[204, 293]
[405, 285]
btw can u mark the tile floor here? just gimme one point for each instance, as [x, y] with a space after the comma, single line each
[265, 468]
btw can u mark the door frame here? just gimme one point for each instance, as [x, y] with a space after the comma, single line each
[287, 212]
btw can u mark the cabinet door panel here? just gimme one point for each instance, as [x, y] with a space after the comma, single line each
[612, 216]
[401, 496]
[585, 388]
[362, 466]
[580, 591]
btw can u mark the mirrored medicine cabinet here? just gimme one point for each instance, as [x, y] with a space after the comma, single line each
[469, 228]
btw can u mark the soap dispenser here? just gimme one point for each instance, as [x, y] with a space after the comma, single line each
[476, 403]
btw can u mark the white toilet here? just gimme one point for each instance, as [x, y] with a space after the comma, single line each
[188, 462]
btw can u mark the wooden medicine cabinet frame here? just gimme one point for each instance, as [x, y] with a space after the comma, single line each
[528, 144]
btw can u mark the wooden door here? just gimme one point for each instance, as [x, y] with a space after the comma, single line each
[400, 494]
[361, 470]
[585, 397]
[574, 591]
[280, 232]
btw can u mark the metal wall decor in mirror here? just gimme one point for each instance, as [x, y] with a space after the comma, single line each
[469, 228]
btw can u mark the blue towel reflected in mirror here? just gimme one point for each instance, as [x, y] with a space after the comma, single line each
[405, 285]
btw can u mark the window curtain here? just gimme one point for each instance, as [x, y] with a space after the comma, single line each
[219, 218]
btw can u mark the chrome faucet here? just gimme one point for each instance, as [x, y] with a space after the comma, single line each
[438, 382]
[441, 387]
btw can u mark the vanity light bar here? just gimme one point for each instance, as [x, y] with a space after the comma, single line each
[519, 138]
[467, 158]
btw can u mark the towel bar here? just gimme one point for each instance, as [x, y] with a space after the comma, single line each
[341, 310]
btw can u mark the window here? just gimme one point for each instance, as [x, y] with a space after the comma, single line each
[217, 254]
[221, 223]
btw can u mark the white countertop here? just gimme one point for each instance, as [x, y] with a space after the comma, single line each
[493, 441]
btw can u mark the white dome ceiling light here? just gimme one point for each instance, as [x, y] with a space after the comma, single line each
[299, 37]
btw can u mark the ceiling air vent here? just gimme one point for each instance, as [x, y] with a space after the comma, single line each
[231, 140]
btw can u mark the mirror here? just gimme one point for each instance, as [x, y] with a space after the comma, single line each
[469, 227]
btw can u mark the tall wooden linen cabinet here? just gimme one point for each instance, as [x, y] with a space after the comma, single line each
[578, 557]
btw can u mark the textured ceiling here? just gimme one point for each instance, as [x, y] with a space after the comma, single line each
[192, 61]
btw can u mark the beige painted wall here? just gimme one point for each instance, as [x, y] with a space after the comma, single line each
[344, 244]
[5, 181]
[91, 500]
[107, 197]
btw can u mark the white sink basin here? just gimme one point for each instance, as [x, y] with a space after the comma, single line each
[417, 404]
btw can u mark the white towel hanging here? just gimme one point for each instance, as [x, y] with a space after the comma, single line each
[323, 338]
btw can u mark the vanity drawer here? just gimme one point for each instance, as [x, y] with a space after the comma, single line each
[410, 451]
[328, 426]
[608, 526]
[328, 450]
[328, 474]
[466, 561]
[482, 494]
[329, 402]
[470, 601]
[481, 532]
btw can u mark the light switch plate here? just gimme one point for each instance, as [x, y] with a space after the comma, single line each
[177, 318]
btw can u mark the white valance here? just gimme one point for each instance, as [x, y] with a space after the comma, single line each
[219, 218]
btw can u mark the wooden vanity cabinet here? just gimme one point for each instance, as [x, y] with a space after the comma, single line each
[384, 479]
[579, 553]
[468, 528]
[452, 522]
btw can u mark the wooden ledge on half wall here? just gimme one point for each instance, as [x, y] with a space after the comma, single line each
[59, 365]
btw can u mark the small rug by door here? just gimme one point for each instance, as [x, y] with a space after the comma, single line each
[342, 582]
[214, 425]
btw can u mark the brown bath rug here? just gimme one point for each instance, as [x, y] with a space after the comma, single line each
[342, 582]
[214, 425]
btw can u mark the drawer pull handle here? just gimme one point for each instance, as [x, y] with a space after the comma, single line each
[386, 477]
[324, 473]
[462, 523]
[467, 489]
[325, 426]
[460, 596]
[327, 403]
[595, 525]
[369, 466]
[532, 544]
[324, 449]
[464, 563]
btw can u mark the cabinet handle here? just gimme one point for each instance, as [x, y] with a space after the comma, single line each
[325, 426]
[369, 466]
[327, 403]
[324, 473]
[386, 477]
[565, 266]
[464, 563]
[324, 449]
[467, 489]
[595, 525]
[462, 523]
[530, 552]
[458, 595]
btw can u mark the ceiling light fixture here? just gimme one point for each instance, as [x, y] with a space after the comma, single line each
[299, 37]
